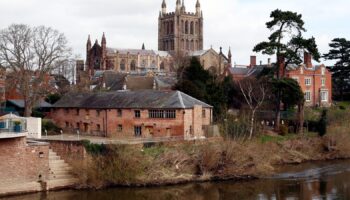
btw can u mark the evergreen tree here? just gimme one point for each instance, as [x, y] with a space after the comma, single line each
[286, 39]
[340, 51]
[201, 84]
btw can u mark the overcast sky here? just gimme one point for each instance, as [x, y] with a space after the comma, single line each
[239, 24]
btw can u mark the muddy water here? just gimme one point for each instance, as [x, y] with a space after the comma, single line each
[328, 181]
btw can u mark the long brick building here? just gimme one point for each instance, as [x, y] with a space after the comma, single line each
[127, 114]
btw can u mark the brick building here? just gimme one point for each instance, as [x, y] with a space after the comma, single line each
[127, 114]
[314, 80]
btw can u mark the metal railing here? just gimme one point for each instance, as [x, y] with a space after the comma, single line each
[103, 140]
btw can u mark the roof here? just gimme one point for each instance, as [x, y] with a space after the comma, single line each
[238, 70]
[114, 81]
[145, 99]
[20, 103]
[198, 53]
[138, 51]
[165, 82]
[294, 67]
[139, 82]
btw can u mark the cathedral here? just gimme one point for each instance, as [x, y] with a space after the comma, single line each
[180, 34]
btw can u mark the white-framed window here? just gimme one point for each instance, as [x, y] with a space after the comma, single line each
[301, 70]
[323, 71]
[308, 81]
[323, 82]
[324, 96]
[307, 96]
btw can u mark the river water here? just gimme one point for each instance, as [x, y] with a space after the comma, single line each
[313, 181]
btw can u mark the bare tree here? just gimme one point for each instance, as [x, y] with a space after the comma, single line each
[31, 54]
[254, 93]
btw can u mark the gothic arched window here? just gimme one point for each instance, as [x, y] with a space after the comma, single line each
[192, 45]
[182, 44]
[196, 29]
[191, 28]
[171, 27]
[182, 27]
[167, 28]
[186, 27]
[133, 65]
[187, 45]
[143, 63]
[122, 65]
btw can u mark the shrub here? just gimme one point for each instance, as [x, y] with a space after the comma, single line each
[50, 127]
[283, 130]
[94, 149]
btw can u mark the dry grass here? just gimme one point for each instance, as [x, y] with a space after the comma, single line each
[204, 160]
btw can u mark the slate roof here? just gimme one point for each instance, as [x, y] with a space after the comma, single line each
[20, 103]
[138, 51]
[139, 82]
[146, 99]
[238, 70]
[198, 53]
[294, 67]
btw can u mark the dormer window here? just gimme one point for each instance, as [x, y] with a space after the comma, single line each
[301, 70]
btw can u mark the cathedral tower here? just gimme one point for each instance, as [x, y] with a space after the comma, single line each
[180, 31]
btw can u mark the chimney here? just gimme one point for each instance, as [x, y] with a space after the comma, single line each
[281, 65]
[269, 61]
[307, 60]
[252, 61]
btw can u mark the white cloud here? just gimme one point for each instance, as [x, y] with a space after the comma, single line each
[236, 23]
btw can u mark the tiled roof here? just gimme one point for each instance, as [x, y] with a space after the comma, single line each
[145, 99]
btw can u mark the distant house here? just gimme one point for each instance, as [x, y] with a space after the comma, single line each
[146, 113]
[314, 80]
[17, 106]
[239, 72]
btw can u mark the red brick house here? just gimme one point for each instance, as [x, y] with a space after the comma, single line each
[126, 114]
[314, 80]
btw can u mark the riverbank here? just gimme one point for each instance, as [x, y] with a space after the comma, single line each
[199, 161]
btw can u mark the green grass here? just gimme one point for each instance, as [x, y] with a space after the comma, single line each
[345, 104]
[154, 151]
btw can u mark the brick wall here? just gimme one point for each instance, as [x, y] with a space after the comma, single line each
[316, 76]
[69, 151]
[21, 162]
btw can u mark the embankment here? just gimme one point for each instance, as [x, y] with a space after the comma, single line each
[189, 161]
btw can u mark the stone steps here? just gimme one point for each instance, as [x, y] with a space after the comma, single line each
[60, 172]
